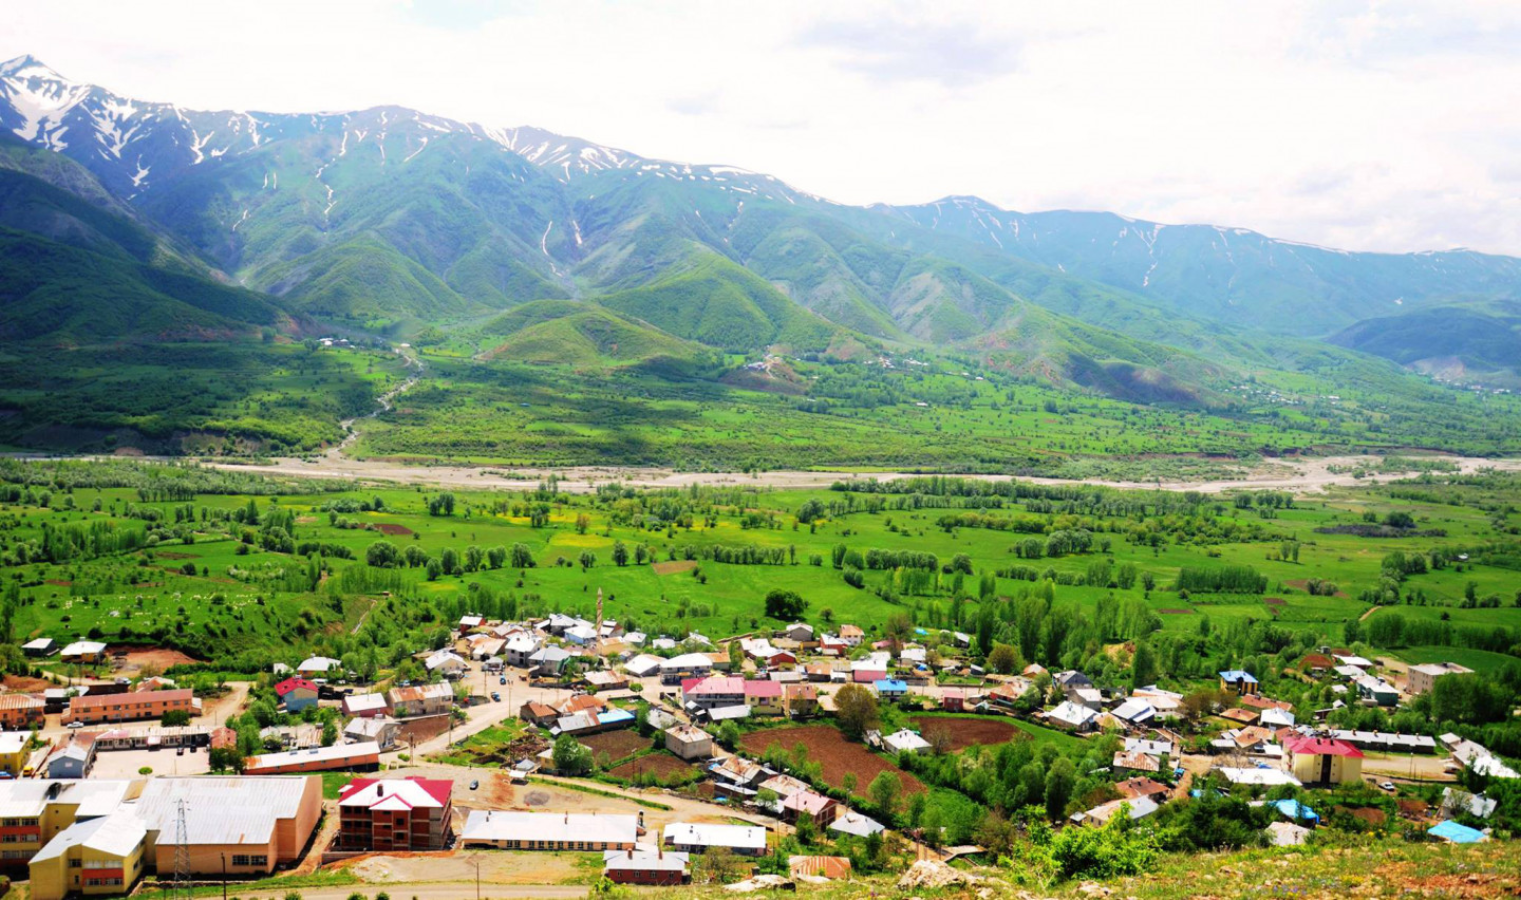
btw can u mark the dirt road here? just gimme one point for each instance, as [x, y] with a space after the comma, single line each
[466, 890]
[1300, 476]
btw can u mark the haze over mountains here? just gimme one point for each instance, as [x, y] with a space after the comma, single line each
[393, 221]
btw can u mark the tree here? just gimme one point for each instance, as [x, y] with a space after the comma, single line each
[784, 605]
[620, 554]
[175, 718]
[1059, 783]
[856, 710]
[588, 559]
[736, 657]
[522, 557]
[582, 522]
[1003, 659]
[570, 756]
[382, 555]
[885, 791]
[1143, 666]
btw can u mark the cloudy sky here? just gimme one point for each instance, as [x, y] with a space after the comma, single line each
[1365, 125]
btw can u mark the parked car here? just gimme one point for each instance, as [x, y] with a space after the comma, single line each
[474, 785]
[1387, 785]
[502, 680]
[496, 697]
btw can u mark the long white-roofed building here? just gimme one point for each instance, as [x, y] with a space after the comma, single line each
[512, 830]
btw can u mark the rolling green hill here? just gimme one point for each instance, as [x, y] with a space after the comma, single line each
[585, 336]
[1479, 342]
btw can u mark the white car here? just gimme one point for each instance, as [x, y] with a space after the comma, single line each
[74, 725]
[1387, 785]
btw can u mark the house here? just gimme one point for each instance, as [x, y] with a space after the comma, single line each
[537, 713]
[446, 662]
[1359, 662]
[592, 722]
[35, 811]
[1257, 776]
[1239, 714]
[420, 700]
[1071, 679]
[606, 680]
[1422, 677]
[84, 652]
[296, 694]
[1384, 740]
[74, 760]
[384, 815]
[802, 700]
[91, 708]
[832, 645]
[643, 665]
[1376, 691]
[890, 688]
[1134, 712]
[679, 669]
[319, 666]
[1318, 760]
[509, 830]
[765, 698]
[381, 730]
[1068, 716]
[1276, 718]
[913, 656]
[700, 837]
[800, 803]
[867, 676]
[1155, 791]
[1152, 746]
[1458, 802]
[339, 757]
[954, 699]
[578, 703]
[687, 742]
[1086, 696]
[905, 741]
[646, 865]
[470, 623]
[776, 658]
[852, 635]
[15, 750]
[1455, 833]
[854, 823]
[519, 648]
[833, 868]
[43, 646]
[364, 706]
[739, 771]
[548, 660]
[1135, 761]
[20, 710]
[799, 631]
[1136, 808]
[581, 635]
[714, 691]
[1236, 681]
[91, 857]
[483, 646]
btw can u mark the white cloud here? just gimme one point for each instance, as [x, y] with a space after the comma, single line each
[1363, 125]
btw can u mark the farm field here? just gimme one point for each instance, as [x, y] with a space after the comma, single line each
[220, 589]
[838, 756]
[965, 731]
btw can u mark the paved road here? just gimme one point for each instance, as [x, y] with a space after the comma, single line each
[447, 890]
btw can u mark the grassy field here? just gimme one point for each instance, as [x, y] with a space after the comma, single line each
[226, 592]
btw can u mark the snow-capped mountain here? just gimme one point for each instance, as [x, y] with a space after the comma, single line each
[136, 145]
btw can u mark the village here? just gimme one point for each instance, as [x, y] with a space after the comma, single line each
[715, 756]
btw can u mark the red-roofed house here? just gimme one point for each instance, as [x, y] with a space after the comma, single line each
[714, 691]
[395, 814]
[296, 693]
[823, 809]
[764, 698]
[1318, 760]
[868, 676]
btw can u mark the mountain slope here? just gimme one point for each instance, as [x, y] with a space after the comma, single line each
[1231, 275]
[588, 337]
[1457, 343]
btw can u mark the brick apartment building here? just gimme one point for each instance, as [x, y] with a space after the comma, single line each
[395, 814]
[92, 709]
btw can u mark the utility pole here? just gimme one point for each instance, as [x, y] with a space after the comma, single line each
[224, 876]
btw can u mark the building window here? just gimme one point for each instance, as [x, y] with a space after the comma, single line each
[241, 859]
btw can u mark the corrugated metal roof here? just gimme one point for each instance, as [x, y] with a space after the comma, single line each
[220, 809]
[504, 825]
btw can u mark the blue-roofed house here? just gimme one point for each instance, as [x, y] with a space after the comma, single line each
[1293, 809]
[1456, 833]
[1238, 682]
[891, 688]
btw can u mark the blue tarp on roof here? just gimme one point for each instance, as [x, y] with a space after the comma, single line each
[1296, 810]
[1238, 675]
[1458, 834]
[891, 686]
